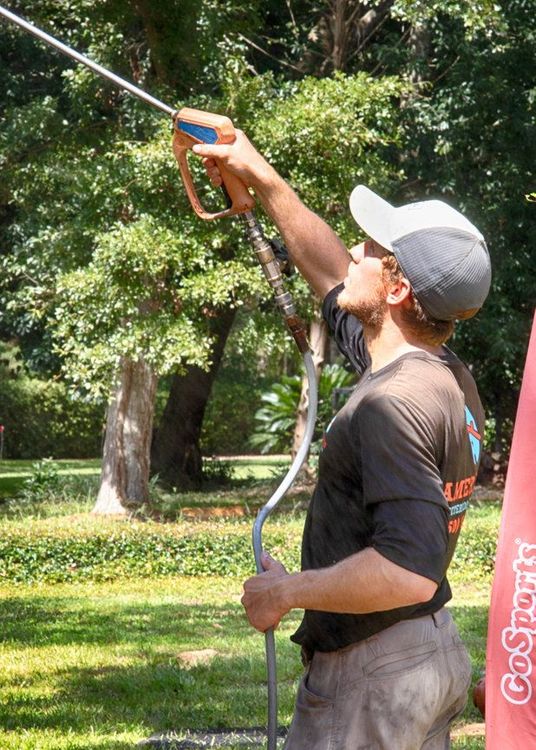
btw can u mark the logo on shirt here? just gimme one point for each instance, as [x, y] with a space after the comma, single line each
[325, 435]
[474, 436]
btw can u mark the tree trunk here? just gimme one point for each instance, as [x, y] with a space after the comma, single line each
[419, 45]
[318, 339]
[343, 30]
[125, 465]
[175, 453]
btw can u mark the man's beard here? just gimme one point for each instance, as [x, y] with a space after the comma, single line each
[370, 311]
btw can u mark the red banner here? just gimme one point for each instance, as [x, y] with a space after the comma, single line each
[511, 648]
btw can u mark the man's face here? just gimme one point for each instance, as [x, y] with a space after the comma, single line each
[364, 291]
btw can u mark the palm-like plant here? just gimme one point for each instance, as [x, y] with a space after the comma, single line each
[275, 420]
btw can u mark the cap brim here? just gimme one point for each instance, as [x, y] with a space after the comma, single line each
[373, 214]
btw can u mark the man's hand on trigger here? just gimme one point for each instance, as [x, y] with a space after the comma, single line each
[241, 158]
[261, 598]
[212, 171]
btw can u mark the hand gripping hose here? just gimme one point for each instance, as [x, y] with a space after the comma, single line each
[270, 266]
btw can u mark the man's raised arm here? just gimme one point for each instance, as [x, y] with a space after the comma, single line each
[317, 251]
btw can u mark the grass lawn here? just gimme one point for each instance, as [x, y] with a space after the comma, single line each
[107, 665]
[14, 472]
[94, 664]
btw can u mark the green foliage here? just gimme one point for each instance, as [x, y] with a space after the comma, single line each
[217, 472]
[229, 418]
[477, 543]
[137, 303]
[474, 144]
[53, 551]
[43, 481]
[325, 135]
[475, 15]
[89, 183]
[275, 421]
[257, 351]
[104, 258]
[42, 419]
[79, 553]
[86, 169]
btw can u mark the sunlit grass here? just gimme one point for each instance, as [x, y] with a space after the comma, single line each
[112, 656]
[88, 665]
[111, 664]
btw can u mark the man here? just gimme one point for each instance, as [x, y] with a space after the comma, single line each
[386, 669]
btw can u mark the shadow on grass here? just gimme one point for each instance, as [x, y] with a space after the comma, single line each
[63, 621]
[116, 665]
[131, 674]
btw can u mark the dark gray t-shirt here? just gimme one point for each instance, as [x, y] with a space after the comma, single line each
[397, 468]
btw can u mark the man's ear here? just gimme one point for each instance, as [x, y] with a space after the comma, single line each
[399, 292]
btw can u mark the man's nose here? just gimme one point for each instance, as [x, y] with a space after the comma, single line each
[358, 252]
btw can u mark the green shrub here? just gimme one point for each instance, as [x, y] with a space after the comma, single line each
[55, 555]
[477, 542]
[52, 552]
[230, 414]
[41, 419]
[217, 473]
[46, 493]
[275, 421]
[43, 481]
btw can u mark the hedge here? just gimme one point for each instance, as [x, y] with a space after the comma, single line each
[99, 551]
[41, 419]
[27, 556]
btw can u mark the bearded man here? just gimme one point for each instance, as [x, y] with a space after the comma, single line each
[385, 666]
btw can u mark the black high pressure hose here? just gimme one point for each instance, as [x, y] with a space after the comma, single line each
[264, 251]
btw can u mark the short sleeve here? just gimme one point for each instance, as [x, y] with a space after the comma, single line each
[397, 451]
[346, 330]
[414, 535]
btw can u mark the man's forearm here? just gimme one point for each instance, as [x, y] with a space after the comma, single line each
[317, 251]
[364, 582]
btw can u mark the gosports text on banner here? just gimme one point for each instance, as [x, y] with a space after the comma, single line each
[511, 649]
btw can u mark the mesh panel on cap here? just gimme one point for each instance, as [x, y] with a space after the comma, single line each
[448, 269]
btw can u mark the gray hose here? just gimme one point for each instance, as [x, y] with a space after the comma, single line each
[262, 515]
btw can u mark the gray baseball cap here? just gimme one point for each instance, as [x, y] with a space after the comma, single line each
[443, 256]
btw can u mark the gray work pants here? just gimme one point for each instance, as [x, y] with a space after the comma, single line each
[397, 690]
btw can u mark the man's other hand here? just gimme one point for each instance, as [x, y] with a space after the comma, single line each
[262, 597]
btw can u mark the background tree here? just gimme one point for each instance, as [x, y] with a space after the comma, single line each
[114, 183]
[88, 126]
[473, 138]
[463, 130]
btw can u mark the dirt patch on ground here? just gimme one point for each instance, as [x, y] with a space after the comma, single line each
[470, 730]
[189, 659]
[206, 514]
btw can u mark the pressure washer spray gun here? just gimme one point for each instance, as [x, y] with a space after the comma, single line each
[191, 126]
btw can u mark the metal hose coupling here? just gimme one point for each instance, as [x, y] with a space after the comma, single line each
[265, 255]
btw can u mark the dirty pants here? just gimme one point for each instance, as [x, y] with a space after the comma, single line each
[397, 690]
